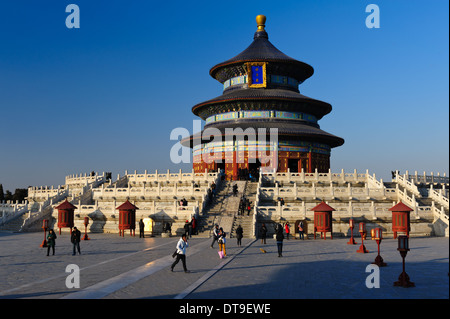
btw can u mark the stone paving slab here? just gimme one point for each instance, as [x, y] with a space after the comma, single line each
[310, 269]
[331, 269]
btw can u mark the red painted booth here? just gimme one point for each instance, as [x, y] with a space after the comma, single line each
[401, 219]
[323, 215]
[65, 215]
[127, 218]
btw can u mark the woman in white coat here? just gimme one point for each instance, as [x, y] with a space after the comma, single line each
[181, 253]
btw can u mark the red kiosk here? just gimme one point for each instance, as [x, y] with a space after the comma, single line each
[323, 220]
[127, 218]
[401, 219]
[65, 215]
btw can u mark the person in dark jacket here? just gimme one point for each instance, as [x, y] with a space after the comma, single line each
[215, 235]
[263, 232]
[75, 238]
[51, 241]
[279, 238]
[239, 235]
[301, 230]
[141, 228]
[186, 228]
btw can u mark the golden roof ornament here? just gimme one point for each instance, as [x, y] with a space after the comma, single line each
[261, 22]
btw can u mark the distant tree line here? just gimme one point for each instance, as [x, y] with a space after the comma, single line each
[19, 194]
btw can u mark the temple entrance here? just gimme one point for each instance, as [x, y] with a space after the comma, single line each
[220, 166]
[304, 165]
[293, 165]
[253, 169]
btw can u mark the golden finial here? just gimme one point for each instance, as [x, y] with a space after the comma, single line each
[261, 21]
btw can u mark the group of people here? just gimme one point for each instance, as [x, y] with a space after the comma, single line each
[190, 227]
[279, 236]
[75, 238]
[183, 203]
[212, 191]
[219, 235]
[286, 228]
[244, 206]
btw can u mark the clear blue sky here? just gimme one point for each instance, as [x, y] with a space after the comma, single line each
[105, 97]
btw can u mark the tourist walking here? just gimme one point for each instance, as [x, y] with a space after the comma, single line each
[239, 235]
[181, 253]
[51, 241]
[287, 229]
[301, 230]
[263, 232]
[215, 235]
[222, 241]
[279, 238]
[75, 238]
[141, 229]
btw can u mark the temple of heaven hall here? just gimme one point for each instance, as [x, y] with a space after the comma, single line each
[261, 121]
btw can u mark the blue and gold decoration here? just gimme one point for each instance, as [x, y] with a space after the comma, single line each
[257, 74]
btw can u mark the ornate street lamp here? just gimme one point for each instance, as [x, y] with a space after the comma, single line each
[86, 223]
[403, 248]
[45, 227]
[352, 225]
[377, 235]
[362, 231]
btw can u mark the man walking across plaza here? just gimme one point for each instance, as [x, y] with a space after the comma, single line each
[75, 238]
[181, 253]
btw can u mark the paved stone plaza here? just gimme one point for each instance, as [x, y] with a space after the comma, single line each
[113, 267]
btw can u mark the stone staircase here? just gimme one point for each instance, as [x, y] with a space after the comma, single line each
[222, 209]
[15, 224]
[246, 223]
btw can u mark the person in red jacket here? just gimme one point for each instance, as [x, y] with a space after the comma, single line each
[194, 225]
[286, 228]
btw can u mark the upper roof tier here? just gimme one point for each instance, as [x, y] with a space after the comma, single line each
[261, 50]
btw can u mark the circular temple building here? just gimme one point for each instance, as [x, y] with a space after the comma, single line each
[261, 121]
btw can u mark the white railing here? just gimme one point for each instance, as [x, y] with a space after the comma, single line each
[44, 193]
[330, 192]
[302, 210]
[170, 177]
[315, 177]
[133, 192]
[172, 208]
[85, 179]
[403, 181]
[427, 179]
[438, 196]
[9, 211]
